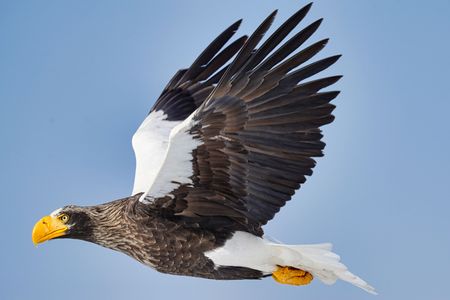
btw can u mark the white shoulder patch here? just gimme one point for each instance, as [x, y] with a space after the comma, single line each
[150, 144]
[176, 168]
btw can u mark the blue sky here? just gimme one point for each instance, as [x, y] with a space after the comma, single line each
[78, 77]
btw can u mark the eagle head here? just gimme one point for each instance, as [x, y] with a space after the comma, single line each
[67, 222]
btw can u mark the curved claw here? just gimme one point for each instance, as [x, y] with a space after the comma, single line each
[292, 276]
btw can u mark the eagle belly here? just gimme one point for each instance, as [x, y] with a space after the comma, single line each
[182, 251]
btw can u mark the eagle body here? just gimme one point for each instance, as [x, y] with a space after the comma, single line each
[227, 143]
[166, 245]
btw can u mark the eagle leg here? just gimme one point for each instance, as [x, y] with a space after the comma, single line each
[291, 275]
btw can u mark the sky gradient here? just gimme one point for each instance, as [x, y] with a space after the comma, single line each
[78, 77]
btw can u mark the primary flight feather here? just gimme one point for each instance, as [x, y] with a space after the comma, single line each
[228, 142]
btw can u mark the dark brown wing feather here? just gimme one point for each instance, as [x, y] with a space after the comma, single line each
[259, 132]
[188, 88]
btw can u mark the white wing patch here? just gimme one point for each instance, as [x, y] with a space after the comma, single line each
[176, 168]
[150, 144]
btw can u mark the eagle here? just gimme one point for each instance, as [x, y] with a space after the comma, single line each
[227, 143]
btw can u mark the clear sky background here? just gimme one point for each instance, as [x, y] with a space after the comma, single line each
[78, 77]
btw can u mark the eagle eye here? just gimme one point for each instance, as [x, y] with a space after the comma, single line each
[64, 218]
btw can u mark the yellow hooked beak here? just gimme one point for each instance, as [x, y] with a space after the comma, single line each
[48, 228]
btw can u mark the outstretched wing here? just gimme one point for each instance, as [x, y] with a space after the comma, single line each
[185, 92]
[244, 152]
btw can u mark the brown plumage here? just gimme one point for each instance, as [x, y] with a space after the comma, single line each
[127, 226]
[224, 147]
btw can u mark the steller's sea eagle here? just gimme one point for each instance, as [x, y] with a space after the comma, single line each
[227, 143]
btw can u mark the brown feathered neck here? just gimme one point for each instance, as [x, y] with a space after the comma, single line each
[106, 224]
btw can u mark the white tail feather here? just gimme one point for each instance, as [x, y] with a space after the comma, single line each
[247, 250]
[319, 261]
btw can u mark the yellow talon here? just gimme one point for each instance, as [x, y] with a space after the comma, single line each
[291, 275]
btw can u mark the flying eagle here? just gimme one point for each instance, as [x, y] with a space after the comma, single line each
[228, 142]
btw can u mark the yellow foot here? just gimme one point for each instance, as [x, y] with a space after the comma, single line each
[291, 275]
